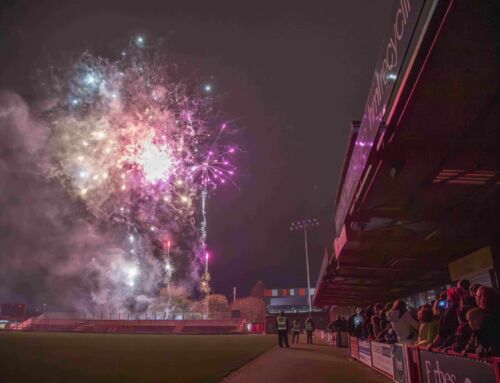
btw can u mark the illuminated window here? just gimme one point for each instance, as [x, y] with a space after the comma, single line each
[275, 292]
[292, 292]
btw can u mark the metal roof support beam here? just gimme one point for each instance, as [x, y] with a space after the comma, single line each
[374, 268]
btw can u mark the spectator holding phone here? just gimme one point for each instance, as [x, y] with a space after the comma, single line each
[448, 323]
[437, 309]
[355, 323]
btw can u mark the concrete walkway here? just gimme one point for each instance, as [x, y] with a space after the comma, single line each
[304, 363]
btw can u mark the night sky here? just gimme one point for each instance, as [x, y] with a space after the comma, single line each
[292, 78]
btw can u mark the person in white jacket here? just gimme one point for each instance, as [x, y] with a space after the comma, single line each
[404, 325]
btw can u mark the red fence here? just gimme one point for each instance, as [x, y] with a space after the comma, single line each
[410, 364]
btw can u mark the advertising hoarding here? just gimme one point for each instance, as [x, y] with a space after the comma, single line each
[382, 358]
[439, 368]
[353, 345]
[400, 366]
[365, 353]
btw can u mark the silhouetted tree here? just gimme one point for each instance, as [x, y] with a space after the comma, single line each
[258, 290]
[218, 304]
[252, 309]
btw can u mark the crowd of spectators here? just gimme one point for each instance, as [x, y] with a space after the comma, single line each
[464, 319]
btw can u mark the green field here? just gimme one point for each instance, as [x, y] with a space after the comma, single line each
[61, 357]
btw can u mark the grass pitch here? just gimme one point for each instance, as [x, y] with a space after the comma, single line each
[65, 357]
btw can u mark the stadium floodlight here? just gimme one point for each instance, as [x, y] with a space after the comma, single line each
[303, 225]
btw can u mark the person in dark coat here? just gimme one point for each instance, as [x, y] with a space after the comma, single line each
[367, 324]
[488, 299]
[379, 321]
[464, 331]
[355, 323]
[475, 318]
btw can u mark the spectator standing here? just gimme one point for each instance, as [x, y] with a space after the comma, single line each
[428, 327]
[355, 323]
[340, 327]
[488, 299]
[403, 324]
[379, 321]
[367, 323]
[339, 324]
[464, 332]
[475, 317]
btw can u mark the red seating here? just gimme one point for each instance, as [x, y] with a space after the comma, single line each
[189, 329]
[135, 326]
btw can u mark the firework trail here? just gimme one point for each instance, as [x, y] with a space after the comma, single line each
[138, 149]
[214, 171]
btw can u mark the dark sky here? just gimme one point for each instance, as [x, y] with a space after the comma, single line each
[292, 76]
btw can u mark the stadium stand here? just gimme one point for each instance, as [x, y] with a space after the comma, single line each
[67, 323]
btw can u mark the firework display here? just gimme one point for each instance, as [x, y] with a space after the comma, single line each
[141, 150]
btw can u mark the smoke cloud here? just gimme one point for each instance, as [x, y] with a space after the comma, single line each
[51, 250]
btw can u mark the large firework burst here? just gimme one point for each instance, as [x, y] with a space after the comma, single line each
[131, 142]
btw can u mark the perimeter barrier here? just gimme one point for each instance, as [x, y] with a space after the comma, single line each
[411, 364]
[335, 338]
